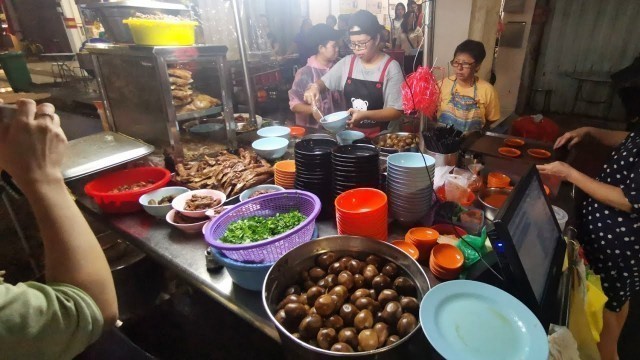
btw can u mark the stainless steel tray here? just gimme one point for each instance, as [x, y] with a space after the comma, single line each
[100, 151]
[199, 113]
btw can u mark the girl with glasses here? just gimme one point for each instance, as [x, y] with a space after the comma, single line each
[369, 79]
[466, 101]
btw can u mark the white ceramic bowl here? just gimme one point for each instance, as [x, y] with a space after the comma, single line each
[247, 193]
[410, 160]
[271, 147]
[160, 211]
[275, 131]
[179, 202]
[335, 122]
[347, 137]
[188, 228]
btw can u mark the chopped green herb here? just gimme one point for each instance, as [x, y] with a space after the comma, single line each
[258, 228]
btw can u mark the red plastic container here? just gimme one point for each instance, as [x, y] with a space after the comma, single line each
[126, 201]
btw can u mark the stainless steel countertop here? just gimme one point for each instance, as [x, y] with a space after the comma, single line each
[185, 254]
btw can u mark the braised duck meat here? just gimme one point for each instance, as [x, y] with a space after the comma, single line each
[226, 172]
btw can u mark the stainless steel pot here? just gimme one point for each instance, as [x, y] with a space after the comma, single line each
[388, 150]
[285, 272]
[490, 211]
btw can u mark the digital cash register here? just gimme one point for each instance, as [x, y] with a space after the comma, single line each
[528, 249]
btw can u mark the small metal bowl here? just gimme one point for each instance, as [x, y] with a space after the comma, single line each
[491, 211]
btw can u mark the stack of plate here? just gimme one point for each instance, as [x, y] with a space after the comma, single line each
[355, 166]
[285, 173]
[446, 261]
[410, 186]
[362, 212]
[313, 170]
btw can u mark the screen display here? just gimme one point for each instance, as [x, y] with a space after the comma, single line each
[535, 235]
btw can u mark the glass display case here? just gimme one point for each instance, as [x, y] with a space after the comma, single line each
[175, 98]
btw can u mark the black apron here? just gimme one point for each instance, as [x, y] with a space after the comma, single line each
[366, 95]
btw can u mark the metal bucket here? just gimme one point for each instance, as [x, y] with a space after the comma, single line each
[444, 159]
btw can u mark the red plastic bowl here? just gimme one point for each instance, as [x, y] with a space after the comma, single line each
[126, 201]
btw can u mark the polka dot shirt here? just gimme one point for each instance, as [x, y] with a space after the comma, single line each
[611, 237]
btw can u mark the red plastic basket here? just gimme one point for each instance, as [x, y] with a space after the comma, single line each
[126, 201]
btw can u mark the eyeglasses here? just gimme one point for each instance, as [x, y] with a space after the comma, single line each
[464, 65]
[360, 45]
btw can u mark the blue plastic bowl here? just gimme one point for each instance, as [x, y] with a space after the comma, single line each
[335, 122]
[410, 160]
[275, 131]
[347, 137]
[248, 276]
[271, 147]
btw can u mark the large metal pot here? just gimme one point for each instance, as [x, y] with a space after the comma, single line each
[286, 271]
[376, 140]
[491, 211]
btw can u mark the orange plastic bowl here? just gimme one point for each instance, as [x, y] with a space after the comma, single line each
[513, 142]
[424, 239]
[286, 167]
[448, 229]
[510, 152]
[442, 196]
[297, 131]
[447, 257]
[498, 180]
[407, 247]
[539, 153]
[361, 200]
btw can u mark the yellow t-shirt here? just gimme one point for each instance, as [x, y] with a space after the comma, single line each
[483, 105]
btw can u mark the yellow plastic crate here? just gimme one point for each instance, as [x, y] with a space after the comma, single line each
[162, 32]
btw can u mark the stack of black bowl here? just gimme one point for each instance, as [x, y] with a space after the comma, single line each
[313, 171]
[355, 166]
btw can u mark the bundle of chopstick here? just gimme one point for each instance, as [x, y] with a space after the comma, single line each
[443, 139]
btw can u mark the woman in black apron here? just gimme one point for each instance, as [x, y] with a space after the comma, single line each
[370, 79]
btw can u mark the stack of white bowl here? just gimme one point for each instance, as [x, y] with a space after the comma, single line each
[410, 186]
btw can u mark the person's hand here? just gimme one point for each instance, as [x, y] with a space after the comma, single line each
[32, 145]
[572, 137]
[356, 116]
[557, 168]
[312, 95]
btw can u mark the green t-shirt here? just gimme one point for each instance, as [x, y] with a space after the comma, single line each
[54, 321]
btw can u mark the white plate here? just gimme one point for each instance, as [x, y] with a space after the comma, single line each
[466, 319]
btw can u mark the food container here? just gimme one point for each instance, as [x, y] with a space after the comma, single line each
[444, 159]
[188, 228]
[111, 15]
[160, 211]
[266, 187]
[268, 250]
[150, 32]
[490, 197]
[125, 201]
[391, 150]
[246, 275]
[287, 269]
[180, 202]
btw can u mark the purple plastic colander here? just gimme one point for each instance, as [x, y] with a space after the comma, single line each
[267, 205]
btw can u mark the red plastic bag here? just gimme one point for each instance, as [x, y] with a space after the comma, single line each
[421, 93]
